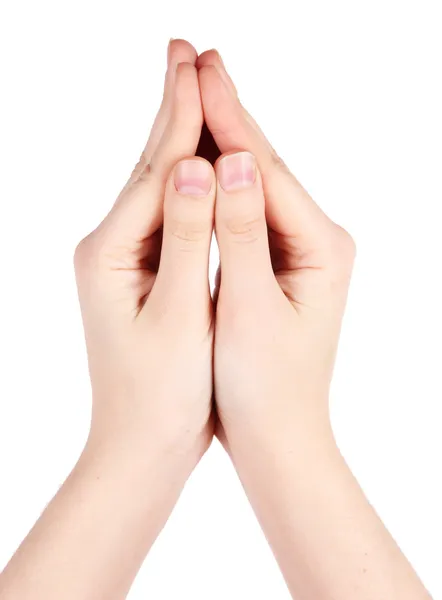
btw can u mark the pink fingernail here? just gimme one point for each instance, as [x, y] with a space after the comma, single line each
[168, 50]
[221, 59]
[193, 177]
[237, 171]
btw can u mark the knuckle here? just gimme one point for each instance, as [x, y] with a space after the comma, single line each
[138, 168]
[83, 253]
[277, 161]
[190, 232]
[141, 174]
[244, 230]
[145, 171]
[347, 244]
[342, 249]
[89, 253]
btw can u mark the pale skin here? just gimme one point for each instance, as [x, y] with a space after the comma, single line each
[170, 367]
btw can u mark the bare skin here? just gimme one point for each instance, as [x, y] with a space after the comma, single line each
[161, 353]
[148, 319]
[285, 273]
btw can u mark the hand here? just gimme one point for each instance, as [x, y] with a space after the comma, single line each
[143, 286]
[285, 271]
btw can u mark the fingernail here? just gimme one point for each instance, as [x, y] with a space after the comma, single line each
[168, 49]
[221, 59]
[193, 177]
[237, 171]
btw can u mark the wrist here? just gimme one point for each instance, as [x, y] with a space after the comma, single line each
[304, 434]
[175, 446]
[280, 470]
[135, 463]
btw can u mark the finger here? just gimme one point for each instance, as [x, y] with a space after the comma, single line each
[213, 58]
[181, 135]
[187, 231]
[240, 224]
[138, 212]
[289, 208]
[178, 51]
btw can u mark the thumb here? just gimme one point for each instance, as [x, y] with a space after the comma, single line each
[187, 231]
[240, 224]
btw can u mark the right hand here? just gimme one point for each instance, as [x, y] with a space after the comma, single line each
[143, 287]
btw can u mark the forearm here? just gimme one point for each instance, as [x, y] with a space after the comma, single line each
[92, 538]
[327, 538]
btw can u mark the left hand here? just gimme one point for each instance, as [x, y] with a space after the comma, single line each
[285, 271]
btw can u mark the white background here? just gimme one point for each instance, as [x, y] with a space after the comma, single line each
[350, 95]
